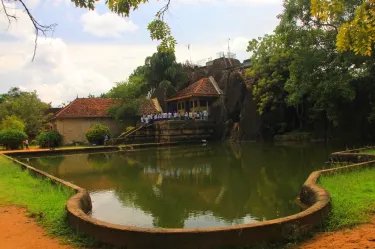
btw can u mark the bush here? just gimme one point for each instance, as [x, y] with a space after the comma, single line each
[12, 139]
[96, 133]
[12, 122]
[34, 142]
[48, 139]
[129, 128]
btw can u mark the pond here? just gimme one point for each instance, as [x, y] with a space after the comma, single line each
[219, 184]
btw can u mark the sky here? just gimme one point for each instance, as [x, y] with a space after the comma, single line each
[89, 51]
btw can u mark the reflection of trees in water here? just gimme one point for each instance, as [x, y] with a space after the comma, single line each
[230, 181]
[99, 160]
[258, 179]
[49, 164]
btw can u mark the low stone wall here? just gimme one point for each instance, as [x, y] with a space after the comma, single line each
[62, 151]
[168, 131]
[353, 156]
[293, 137]
[130, 237]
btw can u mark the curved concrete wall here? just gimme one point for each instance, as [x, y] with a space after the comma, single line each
[129, 237]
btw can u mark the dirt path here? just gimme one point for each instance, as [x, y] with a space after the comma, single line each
[17, 231]
[360, 237]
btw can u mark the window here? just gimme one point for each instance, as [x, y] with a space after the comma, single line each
[182, 105]
[195, 102]
[203, 103]
[178, 106]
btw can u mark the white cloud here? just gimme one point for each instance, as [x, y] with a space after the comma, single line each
[61, 71]
[33, 3]
[106, 25]
[20, 28]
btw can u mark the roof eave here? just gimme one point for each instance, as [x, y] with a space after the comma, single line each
[194, 95]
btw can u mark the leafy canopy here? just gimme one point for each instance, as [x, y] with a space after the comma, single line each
[355, 20]
[12, 122]
[96, 133]
[27, 107]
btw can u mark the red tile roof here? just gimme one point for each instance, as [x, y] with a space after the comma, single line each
[87, 107]
[203, 87]
[98, 107]
[150, 106]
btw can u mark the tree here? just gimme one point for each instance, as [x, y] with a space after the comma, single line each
[354, 21]
[96, 133]
[12, 132]
[159, 30]
[164, 76]
[26, 106]
[12, 122]
[269, 71]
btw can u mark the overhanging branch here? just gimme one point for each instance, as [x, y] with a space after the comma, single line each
[39, 28]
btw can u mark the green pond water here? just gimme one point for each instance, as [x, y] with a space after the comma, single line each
[191, 186]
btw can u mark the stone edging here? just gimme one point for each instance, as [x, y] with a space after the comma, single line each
[353, 156]
[141, 238]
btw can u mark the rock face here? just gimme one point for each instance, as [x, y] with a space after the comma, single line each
[235, 113]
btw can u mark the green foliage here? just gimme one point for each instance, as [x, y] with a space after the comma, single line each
[269, 71]
[161, 76]
[352, 207]
[298, 69]
[26, 106]
[131, 89]
[34, 142]
[19, 188]
[12, 139]
[96, 133]
[129, 128]
[127, 109]
[354, 20]
[12, 122]
[159, 30]
[162, 67]
[48, 139]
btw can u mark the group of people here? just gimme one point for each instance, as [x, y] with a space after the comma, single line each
[149, 118]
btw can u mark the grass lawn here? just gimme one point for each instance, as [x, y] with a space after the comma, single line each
[353, 198]
[371, 152]
[43, 200]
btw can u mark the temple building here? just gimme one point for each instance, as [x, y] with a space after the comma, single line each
[198, 96]
[74, 120]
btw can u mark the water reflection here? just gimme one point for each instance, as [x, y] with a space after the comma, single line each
[192, 186]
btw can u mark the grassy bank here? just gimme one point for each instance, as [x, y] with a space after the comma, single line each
[371, 152]
[353, 198]
[43, 200]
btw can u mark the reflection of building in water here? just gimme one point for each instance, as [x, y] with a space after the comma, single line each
[204, 170]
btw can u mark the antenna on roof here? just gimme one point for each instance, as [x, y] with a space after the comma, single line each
[188, 47]
[228, 48]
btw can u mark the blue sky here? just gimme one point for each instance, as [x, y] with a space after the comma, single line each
[90, 50]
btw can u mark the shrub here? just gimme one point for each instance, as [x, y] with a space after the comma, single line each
[34, 142]
[96, 133]
[49, 139]
[129, 128]
[12, 122]
[12, 138]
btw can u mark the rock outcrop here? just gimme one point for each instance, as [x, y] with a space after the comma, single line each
[235, 113]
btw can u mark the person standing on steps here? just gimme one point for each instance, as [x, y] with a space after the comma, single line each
[105, 139]
[26, 142]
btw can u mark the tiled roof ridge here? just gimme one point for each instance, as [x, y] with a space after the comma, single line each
[64, 108]
[199, 85]
[214, 83]
[86, 107]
